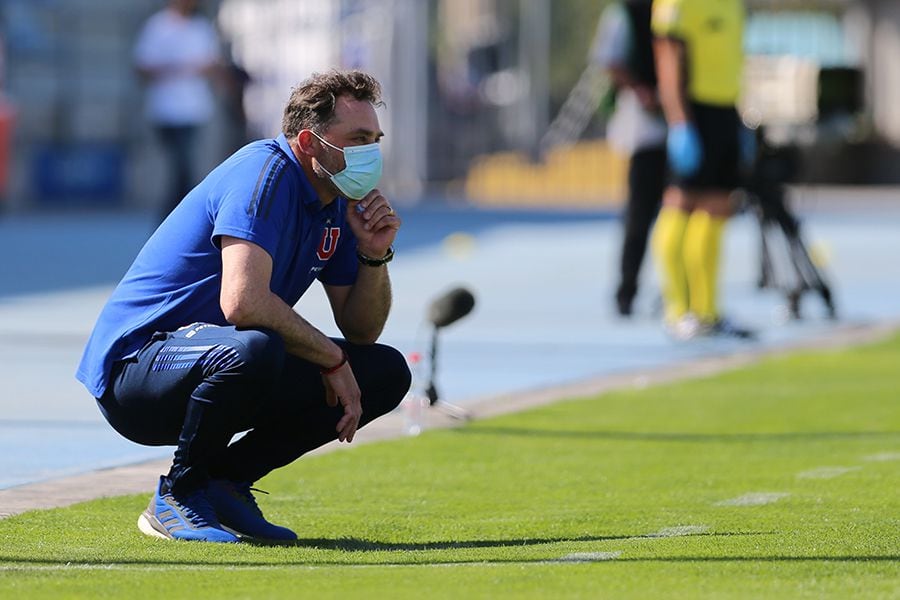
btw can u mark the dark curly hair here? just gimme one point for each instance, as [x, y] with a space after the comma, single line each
[312, 103]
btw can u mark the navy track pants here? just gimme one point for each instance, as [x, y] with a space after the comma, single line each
[197, 387]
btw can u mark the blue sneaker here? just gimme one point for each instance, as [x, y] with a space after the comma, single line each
[237, 510]
[185, 517]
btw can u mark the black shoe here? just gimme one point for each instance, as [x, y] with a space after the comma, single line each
[623, 304]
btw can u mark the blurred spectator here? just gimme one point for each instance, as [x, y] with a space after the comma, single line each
[176, 54]
[624, 48]
[235, 80]
[699, 56]
[7, 116]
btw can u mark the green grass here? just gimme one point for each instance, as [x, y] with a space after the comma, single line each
[489, 510]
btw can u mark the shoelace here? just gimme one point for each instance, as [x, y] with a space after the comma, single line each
[197, 509]
[245, 492]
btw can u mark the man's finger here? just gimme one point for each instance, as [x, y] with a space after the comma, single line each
[347, 434]
[347, 426]
[342, 424]
[377, 218]
[351, 431]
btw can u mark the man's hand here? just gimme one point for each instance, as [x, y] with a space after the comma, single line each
[685, 150]
[374, 223]
[341, 386]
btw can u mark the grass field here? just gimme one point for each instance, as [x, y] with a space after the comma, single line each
[779, 480]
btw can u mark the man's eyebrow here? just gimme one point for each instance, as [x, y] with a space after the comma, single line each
[367, 132]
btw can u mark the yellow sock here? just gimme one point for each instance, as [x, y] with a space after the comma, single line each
[702, 247]
[666, 242]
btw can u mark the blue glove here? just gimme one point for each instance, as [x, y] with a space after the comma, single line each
[684, 149]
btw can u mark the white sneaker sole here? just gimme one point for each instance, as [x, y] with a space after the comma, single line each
[145, 524]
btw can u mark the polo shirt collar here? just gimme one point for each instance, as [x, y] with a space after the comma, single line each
[310, 198]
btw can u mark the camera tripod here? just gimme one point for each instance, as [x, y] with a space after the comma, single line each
[785, 262]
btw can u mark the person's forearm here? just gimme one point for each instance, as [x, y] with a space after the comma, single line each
[671, 81]
[366, 310]
[299, 336]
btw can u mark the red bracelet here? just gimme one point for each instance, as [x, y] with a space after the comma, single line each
[330, 370]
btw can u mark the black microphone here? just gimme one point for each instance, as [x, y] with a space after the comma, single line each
[446, 309]
[451, 307]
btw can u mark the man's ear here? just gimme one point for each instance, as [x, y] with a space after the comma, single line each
[307, 143]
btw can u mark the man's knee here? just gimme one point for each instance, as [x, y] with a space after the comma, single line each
[256, 354]
[394, 374]
[262, 353]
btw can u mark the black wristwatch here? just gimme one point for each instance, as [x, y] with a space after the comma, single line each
[375, 262]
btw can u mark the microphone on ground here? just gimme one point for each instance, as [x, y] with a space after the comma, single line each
[451, 307]
[443, 311]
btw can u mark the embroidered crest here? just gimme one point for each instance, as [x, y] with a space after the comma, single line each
[329, 242]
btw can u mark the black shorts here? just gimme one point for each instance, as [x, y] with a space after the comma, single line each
[719, 130]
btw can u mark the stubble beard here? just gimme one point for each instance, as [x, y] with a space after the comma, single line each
[323, 175]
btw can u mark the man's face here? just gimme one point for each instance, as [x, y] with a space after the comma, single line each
[355, 124]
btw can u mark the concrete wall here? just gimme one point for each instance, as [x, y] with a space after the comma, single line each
[879, 23]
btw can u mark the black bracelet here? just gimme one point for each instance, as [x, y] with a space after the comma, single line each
[375, 262]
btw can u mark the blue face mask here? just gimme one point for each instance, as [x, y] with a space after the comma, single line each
[362, 170]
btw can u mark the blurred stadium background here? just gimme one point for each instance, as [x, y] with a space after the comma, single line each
[471, 88]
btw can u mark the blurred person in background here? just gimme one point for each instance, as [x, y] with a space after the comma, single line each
[623, 46]
[199, 341]
[176, 55]
[7, 118]
[699, 55]
[235, 80]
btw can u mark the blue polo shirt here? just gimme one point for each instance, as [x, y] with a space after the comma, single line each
[259, 194]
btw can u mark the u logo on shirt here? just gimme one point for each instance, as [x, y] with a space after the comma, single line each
[329, 242]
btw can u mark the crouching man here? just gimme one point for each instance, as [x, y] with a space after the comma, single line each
[199, 341]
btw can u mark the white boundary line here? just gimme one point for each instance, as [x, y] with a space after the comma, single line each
[883, 457]
[826, 472]
[754, 499]
[665, 532]
[582, 557]
[678, 531]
